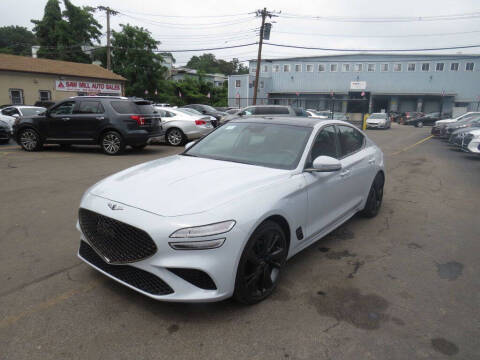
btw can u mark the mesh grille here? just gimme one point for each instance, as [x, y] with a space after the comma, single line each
[117, 242]
[137, 278]
[195, 277]
[467, 139]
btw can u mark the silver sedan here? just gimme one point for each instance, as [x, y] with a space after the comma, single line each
[182, 126]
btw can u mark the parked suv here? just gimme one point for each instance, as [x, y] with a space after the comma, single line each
[111, 122]
[267, 110]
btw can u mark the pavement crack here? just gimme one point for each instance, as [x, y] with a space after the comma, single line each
[331, 327]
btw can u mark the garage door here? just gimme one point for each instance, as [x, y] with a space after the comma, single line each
[430, 106]
[407, 105]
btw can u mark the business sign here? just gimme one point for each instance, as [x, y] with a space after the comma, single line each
[358, 85]
[88, 86]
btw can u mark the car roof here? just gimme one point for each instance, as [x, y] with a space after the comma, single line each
[282, 120]
[26, 107]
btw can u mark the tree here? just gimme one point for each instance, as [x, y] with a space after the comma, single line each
[67, 35]
[134, 58]
[16, 40]
[209, 64]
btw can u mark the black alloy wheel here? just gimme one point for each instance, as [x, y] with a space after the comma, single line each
[112, 143]
[375, 197]
[259, 267]
[29, 140]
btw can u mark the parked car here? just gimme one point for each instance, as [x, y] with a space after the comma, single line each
[181, 126]
[457, 137]
[5, 132]
[395, 116]
[45, 104]
[10, 120]
[428, 119]
[379, 121]
[207, 110]
[438, 129]
[340, 116]
[314, 114]
[196, 112]
[266, 110]
[224, 108]
[280, 184]
[471, 142]
[111, 122]
[462, 124]
[409, 116]
[22, 110]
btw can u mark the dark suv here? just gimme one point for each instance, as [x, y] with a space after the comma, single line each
[111, 122]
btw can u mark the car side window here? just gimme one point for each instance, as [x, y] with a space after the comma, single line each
[351, 140]
[65, 108]
[249, 111]
[325, 144]
[281, 110]
[171, 114]
[90, 107]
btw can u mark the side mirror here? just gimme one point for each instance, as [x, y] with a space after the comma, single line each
[325, 164]
[189, 145]
[15, 115]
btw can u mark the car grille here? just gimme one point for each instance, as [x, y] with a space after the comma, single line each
[137, 278]
[116, 241]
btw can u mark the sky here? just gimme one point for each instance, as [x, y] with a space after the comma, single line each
[189, 24]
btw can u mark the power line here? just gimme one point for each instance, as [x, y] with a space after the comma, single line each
[184, 16]
[378, 36]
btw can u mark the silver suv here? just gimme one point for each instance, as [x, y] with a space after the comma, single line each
[266, 110]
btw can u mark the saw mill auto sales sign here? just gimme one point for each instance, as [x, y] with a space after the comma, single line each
[88, 86]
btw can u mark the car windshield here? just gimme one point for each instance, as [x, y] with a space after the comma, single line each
[208, 108]
[189, 111]
[377, 116]
[32, 111]
[270, 145]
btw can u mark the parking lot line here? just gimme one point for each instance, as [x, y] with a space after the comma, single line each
[411, 146]
[10, 320]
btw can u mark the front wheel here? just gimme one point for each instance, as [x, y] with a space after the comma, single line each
[175, 137]
[419, 124]
[29, 140]
[259, 267]
[112, 143]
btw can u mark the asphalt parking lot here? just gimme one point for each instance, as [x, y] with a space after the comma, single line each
[403, 285]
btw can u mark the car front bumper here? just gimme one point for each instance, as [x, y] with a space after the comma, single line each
[376, 125]
[219, 264]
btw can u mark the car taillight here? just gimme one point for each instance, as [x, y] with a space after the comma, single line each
[139, 119]
[200, 122]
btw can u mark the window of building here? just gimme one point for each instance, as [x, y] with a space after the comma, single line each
[397, 67]
[425, 67]
[384, 67]
[286, 68]
[276, 68]
[371, 67]
[298, 68]
[44, 95]
[238, 83]
[358, 67]
[321, 67]
[345, 67]
[439, 66]
[469, 66]
[454, 67]
[253, 70]
[262, 84]
[16, 96]
[309, 68]
[333, 67]
[411, 67]
[265, 68]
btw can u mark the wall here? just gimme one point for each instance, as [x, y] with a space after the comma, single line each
[32, 83]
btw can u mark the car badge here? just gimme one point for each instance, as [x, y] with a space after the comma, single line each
[113, 206]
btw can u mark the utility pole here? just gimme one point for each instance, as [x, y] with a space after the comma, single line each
[263, 13]
[109, 12]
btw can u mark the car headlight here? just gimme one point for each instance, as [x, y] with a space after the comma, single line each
[204, 230]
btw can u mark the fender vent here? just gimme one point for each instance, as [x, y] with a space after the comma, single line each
[299, 233]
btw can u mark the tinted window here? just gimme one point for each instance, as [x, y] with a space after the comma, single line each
[325, 144]
[123, 107]
[300, 112]
[90, 107]
[145, 107]
[280, 110]
[277, 146]
[10, 111]
[351, 140]
[65, 108]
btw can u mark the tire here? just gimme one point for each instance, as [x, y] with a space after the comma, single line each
[262, 259]
[138, 147]
[175, 137]
[29, 140]
[112, 143]
[419, 124]
[375, 197]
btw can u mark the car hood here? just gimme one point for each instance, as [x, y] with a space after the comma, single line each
[182, 185]
[445, 121]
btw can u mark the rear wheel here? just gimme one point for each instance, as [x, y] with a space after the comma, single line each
[112, 143]
[419, 124]
[259, 267]
[375, 197]
[175, 137]
[29, 140]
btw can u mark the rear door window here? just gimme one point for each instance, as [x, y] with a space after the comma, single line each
[280, 110]
[351, 140]
[89, 107]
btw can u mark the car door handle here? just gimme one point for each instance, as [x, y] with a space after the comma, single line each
[100, 118]
[345, 173]
[371, 161]
[65, 118]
